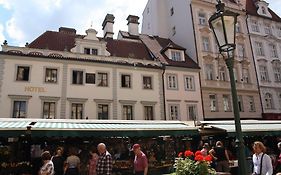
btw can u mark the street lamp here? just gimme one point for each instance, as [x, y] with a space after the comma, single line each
[223, 24]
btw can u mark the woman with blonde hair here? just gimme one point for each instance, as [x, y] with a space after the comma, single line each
[262, 161]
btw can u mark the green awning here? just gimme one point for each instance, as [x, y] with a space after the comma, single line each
[249, 128]
[99, 128]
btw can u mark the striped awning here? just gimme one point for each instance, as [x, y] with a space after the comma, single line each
[109, 128]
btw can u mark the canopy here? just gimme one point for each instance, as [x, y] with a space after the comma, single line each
[249, 127]
[92, 128]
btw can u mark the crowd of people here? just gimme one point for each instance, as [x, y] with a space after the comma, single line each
[99, 164]
[261, 162]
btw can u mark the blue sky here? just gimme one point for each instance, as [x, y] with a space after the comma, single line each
[22, 21]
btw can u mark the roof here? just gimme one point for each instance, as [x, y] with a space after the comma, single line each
[96, 128]
[249, 127]
[251, 9]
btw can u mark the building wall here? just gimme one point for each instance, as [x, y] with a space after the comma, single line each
[159, 20]
[270, 85]
[181, 96]
[36, 90]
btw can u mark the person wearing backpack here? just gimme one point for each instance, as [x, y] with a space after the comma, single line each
[261, 161]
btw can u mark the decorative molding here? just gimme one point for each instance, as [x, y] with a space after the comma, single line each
[107, 101]
[205, 30]
[49, 98]
[128, 101]
[20, 97]
[191, 101]
[80, 100]
[148, 102]
[173, 100]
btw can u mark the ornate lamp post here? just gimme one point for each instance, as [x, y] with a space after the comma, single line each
[223, 24]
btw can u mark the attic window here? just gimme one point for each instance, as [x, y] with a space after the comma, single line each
[176, 56]
[263, 10]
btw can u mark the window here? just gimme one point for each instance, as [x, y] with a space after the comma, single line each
[176, 56]
[255, 26]
[90, 78]
[277, 73]
[148, 113]
[128, 112]
[213, 102]
[192, 112]
[189, 83]
[267, 29]
[125, 81]
[226, 103]
[76, 111]
[222, 73]
[174, 112]
[273, 50]
[263, 73]
[19, 109]
[238, 27]
[51, 75]
[147, 10]
[206, 44]
[87, 51]
[172, 11]
[102, 79]
[241, 50]
[252, 107]
[263, 10]
[77, 77]
[209, 72]
[174, 30]
[103, 112]
[172, 82]
[94, 51]
[23, 73]
[147, 82]
[202, 18]
[279, 31]
[240, 103]
[259, 48]
[268, 101]
[49, 109]
[235, 74]
[245, 74]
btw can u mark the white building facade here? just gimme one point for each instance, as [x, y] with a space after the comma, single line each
[265, 34]
[70, 76]
[186, 22]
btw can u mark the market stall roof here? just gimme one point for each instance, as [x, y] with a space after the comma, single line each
[249, 127]
[100, 128]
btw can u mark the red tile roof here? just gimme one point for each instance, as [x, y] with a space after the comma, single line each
[251, 9]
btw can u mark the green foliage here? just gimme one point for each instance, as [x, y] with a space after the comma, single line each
[190, 167]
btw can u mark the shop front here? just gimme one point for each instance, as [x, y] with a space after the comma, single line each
[23, 140]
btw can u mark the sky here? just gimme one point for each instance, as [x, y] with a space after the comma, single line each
[22, 21]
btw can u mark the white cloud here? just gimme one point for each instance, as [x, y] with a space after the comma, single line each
[14, 31]
[2, 37]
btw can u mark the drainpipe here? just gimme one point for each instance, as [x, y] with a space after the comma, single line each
[163, 87]
[247, 16]
[196, 50]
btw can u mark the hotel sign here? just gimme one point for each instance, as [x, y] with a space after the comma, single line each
[34, 89]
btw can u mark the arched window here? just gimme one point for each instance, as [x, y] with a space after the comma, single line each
[268, 101]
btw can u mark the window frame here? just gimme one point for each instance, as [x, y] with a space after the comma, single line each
[57, 75]
[227, 105]
[273, 50]
[252, 106]
[174, 117]
[202, 20]
[108, 111]
[259, 49]
[25, 108]
[107, 79]
[268, 100]
[176, 82]
[43, 109]
[72, 77]
[194, 106]
[17, 72]
[263, 73]
[176, 55]
[144, 86]
[192, 83]
[82, 110]
[209, 72]
[123, 78]
[146, 117]
[213, 103]
[125, 117]
[206, 45]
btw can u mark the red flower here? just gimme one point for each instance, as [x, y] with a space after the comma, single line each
[208, 158]
[197, 153]
[188, 153]
[199, 158]
[180, 154]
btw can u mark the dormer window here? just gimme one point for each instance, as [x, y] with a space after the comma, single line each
[90, 51]
[263, 10]
[267, 29]
[176, 55]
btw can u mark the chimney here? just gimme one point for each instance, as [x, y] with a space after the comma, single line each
[67, 30]
[107, 26]
[133, 25]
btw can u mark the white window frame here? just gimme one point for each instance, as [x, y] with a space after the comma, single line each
[209, 72]
[45, 75]
[246, 75]
[174, 111]
[172, 81]
[192, 116]
[82, 112]
[226, 103]
[252, 106]
[125, 117]
[255, 26]
[241, 50]
[277, 73]
[268, 99]
[273, 50]
[99, 82]
[206, 46]
[189, 83]
[259, 48]
[176, 55]
[213, 103]
[267, 29]
[222, 73]
[146, 117]
[202, 18]
[263, 73]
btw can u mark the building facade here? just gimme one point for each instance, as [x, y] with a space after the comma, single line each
[265, 33]
[190, 18]
[65, 75]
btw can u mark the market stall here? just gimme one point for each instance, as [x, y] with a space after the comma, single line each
[160, 140]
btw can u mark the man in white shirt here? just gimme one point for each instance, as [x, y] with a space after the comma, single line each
[262, 162]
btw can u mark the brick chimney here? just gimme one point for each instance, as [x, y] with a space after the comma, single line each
[67, 30]
[133, 25]
[107, 26]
